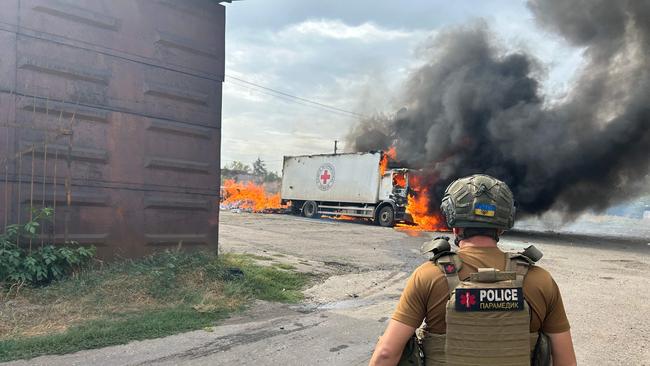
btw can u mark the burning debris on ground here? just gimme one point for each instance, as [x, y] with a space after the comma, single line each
[472, 108]
[249, 197]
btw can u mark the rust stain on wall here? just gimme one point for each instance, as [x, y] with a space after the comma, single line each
[141, 93]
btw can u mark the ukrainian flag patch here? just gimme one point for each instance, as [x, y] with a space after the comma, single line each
[485, 209]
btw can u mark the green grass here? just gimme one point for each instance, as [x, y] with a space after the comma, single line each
[285, 266]
[154, 297]
[260, 257]
[108, 331]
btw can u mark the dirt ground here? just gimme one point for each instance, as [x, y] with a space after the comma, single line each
[604, 282]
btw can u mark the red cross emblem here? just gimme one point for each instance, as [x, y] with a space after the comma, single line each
[450, 268]
[325, 177]
[467, 299]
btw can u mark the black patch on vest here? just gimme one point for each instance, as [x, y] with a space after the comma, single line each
[489, 299]
[449, 268]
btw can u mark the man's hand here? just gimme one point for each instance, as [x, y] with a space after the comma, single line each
[390, 346]
[562, 349]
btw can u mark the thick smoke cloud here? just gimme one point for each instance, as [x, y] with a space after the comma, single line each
[473, 108]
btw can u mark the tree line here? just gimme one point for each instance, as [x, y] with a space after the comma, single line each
[257, 169]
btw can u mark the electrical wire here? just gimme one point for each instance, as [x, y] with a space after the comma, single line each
[14, 28]
[157, 63]
[290, 99]
[301, 99]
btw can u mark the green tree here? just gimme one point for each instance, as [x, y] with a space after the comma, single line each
[271, 177]
[238, 166]
[259, 168]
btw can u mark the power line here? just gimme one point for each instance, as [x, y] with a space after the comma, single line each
[297, 98]
[65, 41]
[288, 99]
[291, 99]
[55, 38]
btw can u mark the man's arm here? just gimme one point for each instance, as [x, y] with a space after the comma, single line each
[562, 349]
[390, 346]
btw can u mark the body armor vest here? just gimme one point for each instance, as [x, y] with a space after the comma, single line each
[488, 319]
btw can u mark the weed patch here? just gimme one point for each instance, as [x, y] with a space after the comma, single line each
[108, 331]
[153, 297]
[22, 265]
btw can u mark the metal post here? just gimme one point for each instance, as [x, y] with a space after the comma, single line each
[31, 196]
[6, 205]
[54, 178]
[56, 162]
[6, 211]
[68, 190]
[68, 179]
[336, 142]
[47, 113]
[20, 184]
[43, 201]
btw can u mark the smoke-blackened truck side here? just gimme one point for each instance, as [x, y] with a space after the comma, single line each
[354, 184]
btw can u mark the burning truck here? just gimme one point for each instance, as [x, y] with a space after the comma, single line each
[356, 185]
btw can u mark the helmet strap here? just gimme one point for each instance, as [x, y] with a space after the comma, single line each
[468, 232]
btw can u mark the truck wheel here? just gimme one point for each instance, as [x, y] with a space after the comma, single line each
[295, 208]
[386, 216]
[310, 209]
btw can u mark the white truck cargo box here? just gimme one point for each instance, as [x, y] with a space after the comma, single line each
[350, 177]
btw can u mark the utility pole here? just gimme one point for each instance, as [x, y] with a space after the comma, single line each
[336, 142]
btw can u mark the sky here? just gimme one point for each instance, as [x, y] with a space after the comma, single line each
[353, 56]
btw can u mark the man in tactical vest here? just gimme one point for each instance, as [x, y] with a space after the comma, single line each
[480, 306]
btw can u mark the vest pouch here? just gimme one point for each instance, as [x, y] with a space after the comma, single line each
[434, 349]
[542, 351]
[412, 354]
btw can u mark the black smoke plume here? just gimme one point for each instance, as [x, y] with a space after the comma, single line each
[473, 108]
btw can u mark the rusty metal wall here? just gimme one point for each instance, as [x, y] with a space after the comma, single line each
[138, 85]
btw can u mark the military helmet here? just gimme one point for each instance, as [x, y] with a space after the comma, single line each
[479, 201]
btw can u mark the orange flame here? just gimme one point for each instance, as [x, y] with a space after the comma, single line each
[391, 154]
[383, 164]
[399, 180]
[249, 196]
[345, 218]
[419, 209]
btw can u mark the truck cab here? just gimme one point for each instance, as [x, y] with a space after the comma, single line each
[394, 191]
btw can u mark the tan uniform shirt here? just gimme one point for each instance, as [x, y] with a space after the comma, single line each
[426, 293]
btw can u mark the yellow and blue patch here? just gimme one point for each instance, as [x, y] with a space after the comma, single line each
[485, 209]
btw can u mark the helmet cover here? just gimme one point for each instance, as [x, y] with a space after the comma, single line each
[479, 201]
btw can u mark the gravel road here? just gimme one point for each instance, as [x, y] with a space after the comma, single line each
[604, 282]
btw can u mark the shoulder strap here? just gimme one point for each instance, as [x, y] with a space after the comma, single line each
[521, 262]
[449, 263]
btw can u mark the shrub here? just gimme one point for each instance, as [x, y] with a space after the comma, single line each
[41, 265]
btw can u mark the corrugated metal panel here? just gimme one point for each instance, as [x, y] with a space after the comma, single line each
[143, 81]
